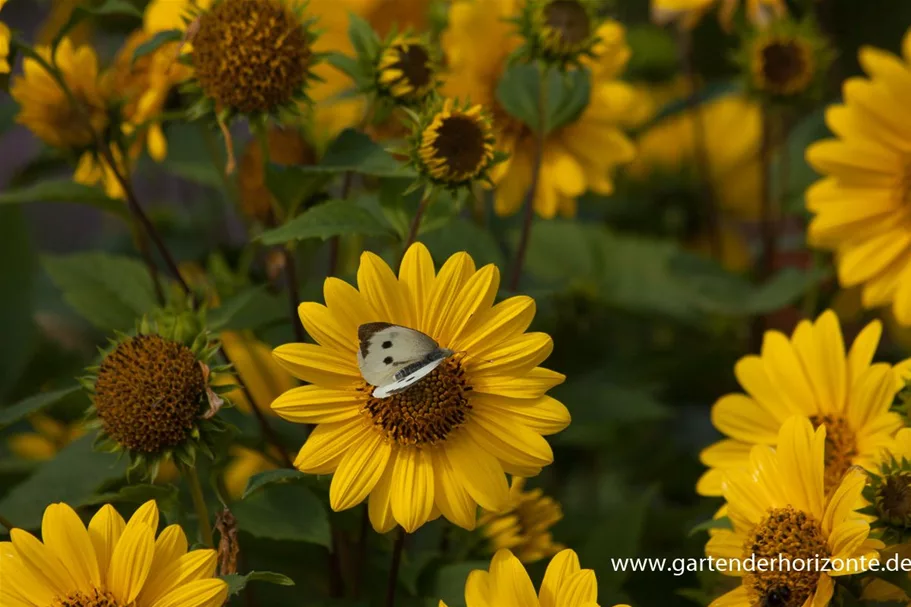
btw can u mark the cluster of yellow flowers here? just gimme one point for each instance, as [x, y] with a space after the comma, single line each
[811, 441]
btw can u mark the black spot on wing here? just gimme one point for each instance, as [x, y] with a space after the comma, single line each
[387, 344]
[388, 360]
[366, 331]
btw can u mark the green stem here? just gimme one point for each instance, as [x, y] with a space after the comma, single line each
[397, 550]
[199, 503]
[6, 523]
[416, 221]
[540, 134]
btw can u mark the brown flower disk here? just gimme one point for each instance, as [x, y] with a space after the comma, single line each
[148, 393]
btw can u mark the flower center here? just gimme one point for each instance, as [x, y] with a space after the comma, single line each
[893, 499]
[149, 392]
[785, 535]
[567, 25]
[427, 412]
[459, 145]
[251, 55]
[785, 67]
[412, 62]
[841, 447]
[96, 598]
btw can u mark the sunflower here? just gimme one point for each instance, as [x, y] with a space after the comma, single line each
[688, 12]
[49, 437]
[778, 507]
[245, 463]
[808, 375]
[445, 445]
[578, 156]
[507, 584]
[862, 203]
[524, 527]
[45, 109]
[111, 563]
[406, 69]
[4, 44]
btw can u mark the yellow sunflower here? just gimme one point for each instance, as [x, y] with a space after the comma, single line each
[811, 375]
[445, 445]
[111, 563]
[244, 464]
[49, 437]
[689, 12]
[577, 157]
[862, 203]
[4, 44]
[524, 527]
[507, 584]
[779, 506]
[44, 107]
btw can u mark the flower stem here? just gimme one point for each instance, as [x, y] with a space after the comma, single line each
[527, 221]
[6, 523]
[416, 222]
[199, 503]
[394, 569]
[767, 222]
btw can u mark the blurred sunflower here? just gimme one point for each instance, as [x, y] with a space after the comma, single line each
[4, 44]
[110, 563]
[524, 527]
[49, 437]
[808, 375]
[579, 156]
[779, 506]
[245, 463]
[445, 445]
[689, 12]
[862, 203]
[507, 584]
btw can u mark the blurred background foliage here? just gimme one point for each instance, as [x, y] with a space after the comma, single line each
[647, 322]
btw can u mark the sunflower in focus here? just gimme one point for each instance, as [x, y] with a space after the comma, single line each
[445, 445]
[811, 375]
[524, 527]
[577, 157]
[779, 505]
[507, 584]
[862, 203]
[688, 12]
[112, 563]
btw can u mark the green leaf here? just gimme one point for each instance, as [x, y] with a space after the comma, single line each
[220, 317]
[18, 265]
[65, 191]
[237, 582]
[33, 404]
[110, 292]
[284, 512]
[566, 97]
[73, 476]
[271, 477]
[356, 152]
[345, 64]
[364, 39]
[292, 185]
[108, 8]
[714, 523]
[155, 42]
[332, 218]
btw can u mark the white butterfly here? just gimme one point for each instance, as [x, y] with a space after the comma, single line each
[393, 358]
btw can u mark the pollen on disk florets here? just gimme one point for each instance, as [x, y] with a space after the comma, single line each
[428, 411]
[453, 145]
[406, 70]
[559, 32]
[786, 62]
[252, 56]
[151, 392]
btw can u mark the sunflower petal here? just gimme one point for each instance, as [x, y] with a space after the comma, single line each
[65, 535]
[379, 506]
[416, 275]
[450, 496]
[492, 326]
[359, 470]
[563, 566]
[530, 385]
[318, 405]
[544, 415]
[509, 582]
[199, 593]
[131, 563]
[327, 444]
[192, 566]
[19, 579]
[412, 487]
[515, 356]
[477, 471]
[319, 365]
[42, 563]
[105, 530]
[477, 589]
[382, 290]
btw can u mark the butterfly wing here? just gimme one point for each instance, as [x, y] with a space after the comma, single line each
[386, 348]
[406, 382]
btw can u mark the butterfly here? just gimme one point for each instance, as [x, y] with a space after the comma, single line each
[393, 358]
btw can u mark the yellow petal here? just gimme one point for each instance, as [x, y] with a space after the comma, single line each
[740, 417]
[447, 297]
[412, 487]
[863, 349]
[19, 579]
[321, 324]
[42, 563]
[846, 538]
[515, 356]
[319, 365]
[131, 562]
[359, 470]
[145, 516]
[509, 582]
[801, 457]
[105, 530]
[544, 415]
[508, 441]
[530, 385]
[318, 405]
[199, 593]
[844, 500]
[579, 589]
[508, 319]
[382, 290]
[735, 598]
[192, 566]
[170, 546]
[477, 589]
[348, 306]
[416, 275]
[564, 565]
[477, 471]
[327, 444]
[450, 496]
[379, 506]
[65, 535]
[785, 371]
